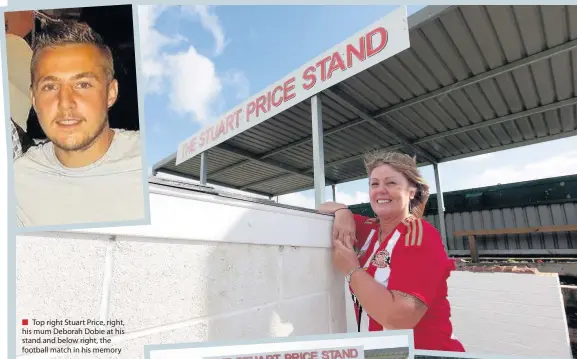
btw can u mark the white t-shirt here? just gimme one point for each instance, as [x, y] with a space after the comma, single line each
[109, 190]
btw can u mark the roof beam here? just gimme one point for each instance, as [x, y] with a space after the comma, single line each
[267, 162]
[540, 56]
[308, 170]
[263, 181]
[498, 120]
[475, 126]
[294, 144]
[346, 101]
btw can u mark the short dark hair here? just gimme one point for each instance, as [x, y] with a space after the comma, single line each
[65, 32]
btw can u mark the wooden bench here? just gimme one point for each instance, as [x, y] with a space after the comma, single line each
[472, 234]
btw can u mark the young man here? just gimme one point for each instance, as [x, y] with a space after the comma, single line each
[87, 172]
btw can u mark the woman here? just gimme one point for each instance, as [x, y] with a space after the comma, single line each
[399, 277]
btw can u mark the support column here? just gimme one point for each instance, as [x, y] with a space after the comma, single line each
[334, 193]
[318, 150]
[441, 207]
[203, 169]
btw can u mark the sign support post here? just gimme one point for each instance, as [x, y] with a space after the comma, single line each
[440, 206]
[203, 169]
[318, 150]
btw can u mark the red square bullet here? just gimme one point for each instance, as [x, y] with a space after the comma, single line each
[24, 321]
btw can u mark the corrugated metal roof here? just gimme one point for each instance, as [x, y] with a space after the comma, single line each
[476, 79]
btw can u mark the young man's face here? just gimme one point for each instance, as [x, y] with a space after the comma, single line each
[71, 94]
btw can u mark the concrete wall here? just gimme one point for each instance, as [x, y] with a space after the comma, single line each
[508, 313]
[197, 285]
[215, 268]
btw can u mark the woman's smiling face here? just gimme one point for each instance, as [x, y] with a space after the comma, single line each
[390, 192]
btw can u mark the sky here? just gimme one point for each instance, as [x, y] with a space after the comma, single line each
[200, 61]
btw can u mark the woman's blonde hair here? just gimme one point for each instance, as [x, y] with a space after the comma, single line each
[406, 165]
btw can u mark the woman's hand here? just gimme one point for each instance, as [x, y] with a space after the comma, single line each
[344, 258]
[344, 228]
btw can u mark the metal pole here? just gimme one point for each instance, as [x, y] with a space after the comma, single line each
[318, 150]
[334, 193]
[441, 206]
[203, 169]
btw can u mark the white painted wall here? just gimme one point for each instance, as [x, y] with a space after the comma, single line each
[209, 268]
[509, 313]
[182, 279]
[505, 313]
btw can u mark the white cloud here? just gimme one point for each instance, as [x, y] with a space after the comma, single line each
[210, 22]
[190, 79]
[237, 80]
[478, 158]
[194, 83]
[151, 44]
[298, 200]
[348, 199]
[308, 201]
[557, 165]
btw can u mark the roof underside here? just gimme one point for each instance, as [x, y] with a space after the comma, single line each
[476, 79]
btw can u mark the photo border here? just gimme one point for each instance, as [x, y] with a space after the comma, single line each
[12, 229]
[435, 353]
[217, 343]
[19, 5]
[146, 220]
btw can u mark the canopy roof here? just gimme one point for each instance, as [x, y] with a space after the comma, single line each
[475, 80]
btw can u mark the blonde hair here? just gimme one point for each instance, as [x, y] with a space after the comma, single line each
[406, 165]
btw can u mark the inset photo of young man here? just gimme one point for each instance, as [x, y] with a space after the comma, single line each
[74, 117]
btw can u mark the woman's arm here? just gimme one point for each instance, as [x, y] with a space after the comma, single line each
[392, 309]
[420, 269]
[344, 226]
[332, 207]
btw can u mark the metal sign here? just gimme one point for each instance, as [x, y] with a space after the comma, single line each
[384, 39]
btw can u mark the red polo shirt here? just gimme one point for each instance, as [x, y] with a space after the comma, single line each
[412, 260]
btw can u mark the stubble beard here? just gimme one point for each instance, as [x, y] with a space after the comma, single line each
[75, 144]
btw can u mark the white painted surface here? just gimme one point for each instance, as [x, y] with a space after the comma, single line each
[194, 216]
[237, 121]
[209, 268]
[508, 313]
[181, 279]
[369, 343]
[504, 313]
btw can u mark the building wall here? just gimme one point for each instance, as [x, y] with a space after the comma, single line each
[212, 268]
[170, 292]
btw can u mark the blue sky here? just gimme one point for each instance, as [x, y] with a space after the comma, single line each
[199, 62]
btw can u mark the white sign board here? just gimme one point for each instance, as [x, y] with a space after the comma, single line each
[374, 44]
[330, 346]
[356, 352]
